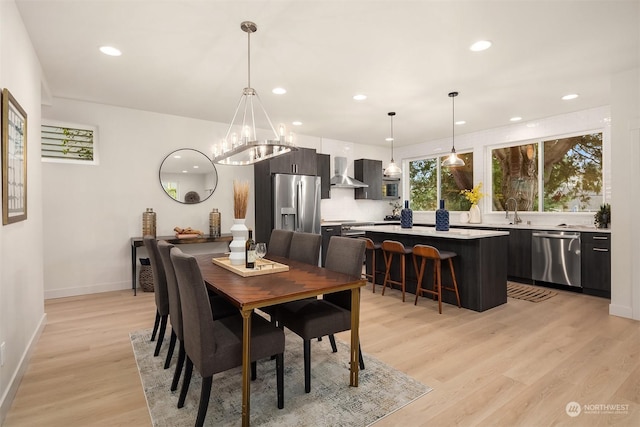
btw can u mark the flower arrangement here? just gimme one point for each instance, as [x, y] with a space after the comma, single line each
[240, 199]
[474, 195]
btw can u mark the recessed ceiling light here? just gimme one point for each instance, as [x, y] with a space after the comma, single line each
[570, 96]
[388, 139]
[196, 167]
[360, 97]
[480, 45]
[279, 91]
[460, 122]
[296, 123]
[110, 50]
[515, 119]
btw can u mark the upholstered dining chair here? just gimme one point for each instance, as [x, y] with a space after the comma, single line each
[214, 346]
[160, 291]
[315, 318]
[305, 247]
[220, 308]
[279, 243]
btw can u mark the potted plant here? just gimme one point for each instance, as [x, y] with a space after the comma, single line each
[603, 216]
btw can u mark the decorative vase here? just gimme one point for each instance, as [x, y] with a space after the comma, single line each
[239, 232]
[442, 218]
[406, 216]
[475, 217]
[149, 223]
[214, 223]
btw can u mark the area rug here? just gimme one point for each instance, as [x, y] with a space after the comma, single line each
[332, 402]
[528, 292]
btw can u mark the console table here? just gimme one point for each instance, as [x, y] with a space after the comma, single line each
[136, 242]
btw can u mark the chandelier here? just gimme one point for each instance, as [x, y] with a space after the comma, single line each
[241, 145]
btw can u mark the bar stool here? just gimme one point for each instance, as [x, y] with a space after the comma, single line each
[389, 249]
[425, 252]
[370, 245]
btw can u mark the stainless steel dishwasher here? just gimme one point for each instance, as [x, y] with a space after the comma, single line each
[555, 257]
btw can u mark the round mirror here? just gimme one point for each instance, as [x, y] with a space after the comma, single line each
[188, 176]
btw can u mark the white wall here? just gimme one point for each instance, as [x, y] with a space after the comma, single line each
[625, 205]
[21, 290]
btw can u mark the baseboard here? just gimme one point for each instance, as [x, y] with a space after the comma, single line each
[621, 311]
[12, 389]
[85, 290]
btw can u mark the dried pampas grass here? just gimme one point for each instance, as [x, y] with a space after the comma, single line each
[240, 199]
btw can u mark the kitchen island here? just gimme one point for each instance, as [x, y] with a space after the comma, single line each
[480, 267]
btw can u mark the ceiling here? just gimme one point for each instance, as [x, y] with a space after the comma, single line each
[189, 58]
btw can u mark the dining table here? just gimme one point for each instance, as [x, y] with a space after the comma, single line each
[300, 281]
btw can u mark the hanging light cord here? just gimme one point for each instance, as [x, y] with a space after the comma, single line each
[392, 138]
[453, 122]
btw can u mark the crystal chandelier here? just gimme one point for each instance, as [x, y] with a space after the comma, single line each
[241, 145]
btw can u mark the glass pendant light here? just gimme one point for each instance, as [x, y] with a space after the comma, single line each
[392, 169]
[453, 161]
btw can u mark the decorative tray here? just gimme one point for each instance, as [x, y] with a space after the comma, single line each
[263, 266]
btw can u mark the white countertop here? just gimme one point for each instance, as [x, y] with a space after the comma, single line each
[454, 233]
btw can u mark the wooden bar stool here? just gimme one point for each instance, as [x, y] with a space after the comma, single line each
[370, 245]
[425, 253]
[389, 249]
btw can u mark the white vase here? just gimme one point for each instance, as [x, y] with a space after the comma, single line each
[239, 231]
[475, 217]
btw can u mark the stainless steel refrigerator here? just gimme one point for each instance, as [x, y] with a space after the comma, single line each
[296, 202]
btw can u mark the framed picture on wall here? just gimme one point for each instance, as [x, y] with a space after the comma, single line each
[14, 160]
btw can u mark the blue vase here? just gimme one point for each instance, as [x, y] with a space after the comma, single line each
[442, 218]
[406, 216]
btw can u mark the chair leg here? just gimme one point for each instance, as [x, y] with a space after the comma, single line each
[156, 323]
[205, 393]
[172, 345]
[438, 268]
[280, 379]
[254, 370]
[188, 370]
[387, 262]
[360, 357]
[373, 271]
[455, 282]
[163, 328]
[307, 366]
[179, 365]
[402, 266]
[332, 340]
[419, 274]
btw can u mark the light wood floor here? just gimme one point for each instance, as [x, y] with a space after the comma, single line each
[515, 365]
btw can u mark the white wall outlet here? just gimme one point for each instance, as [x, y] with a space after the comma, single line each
[2, 349]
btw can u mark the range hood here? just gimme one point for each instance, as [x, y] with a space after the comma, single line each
[341, 179]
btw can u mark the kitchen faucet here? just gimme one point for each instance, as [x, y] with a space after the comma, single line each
[516, 218]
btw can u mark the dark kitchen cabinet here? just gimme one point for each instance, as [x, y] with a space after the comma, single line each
[323, 165]
[369, 172]
[327, 232]
[518, 253]
[300, 162]
[596, 264]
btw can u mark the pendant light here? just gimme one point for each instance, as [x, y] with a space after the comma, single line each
[243, 147]
[453, 161]
[392, 169]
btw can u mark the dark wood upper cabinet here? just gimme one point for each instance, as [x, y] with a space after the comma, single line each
[369, 172]
[323, 165]
[300, 162]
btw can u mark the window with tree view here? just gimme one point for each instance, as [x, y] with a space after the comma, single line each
[571, 178]
[429, 182]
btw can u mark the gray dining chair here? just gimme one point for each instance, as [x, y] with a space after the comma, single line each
[160, 291]
[305, 247]
[214, 346]
[279, 243]
[315, 318]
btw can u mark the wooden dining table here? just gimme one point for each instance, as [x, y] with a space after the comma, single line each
[299, 282]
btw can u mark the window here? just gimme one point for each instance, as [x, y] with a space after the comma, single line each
[571, 178]
[63, 142]
[429, 182]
